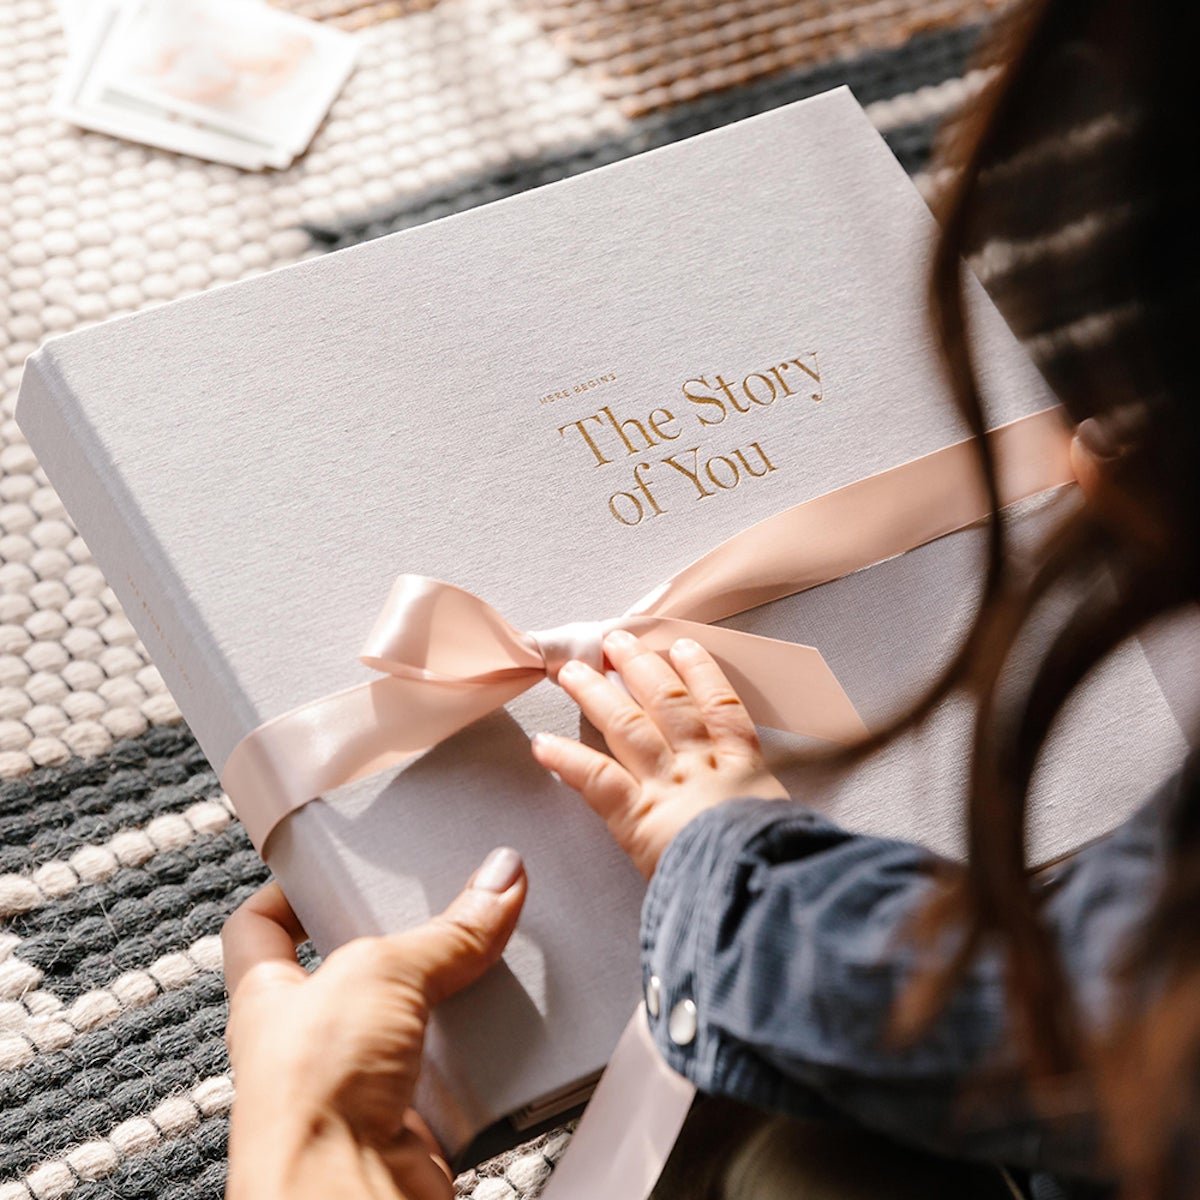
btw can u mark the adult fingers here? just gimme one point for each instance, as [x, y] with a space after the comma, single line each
[724, 714]
[416, 1125]
[452, 950]
[657, 688]
[635, 740]
[416, 1170]
[606, 786]
[262, 930]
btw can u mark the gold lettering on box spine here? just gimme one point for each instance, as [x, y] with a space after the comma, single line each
[144, 604]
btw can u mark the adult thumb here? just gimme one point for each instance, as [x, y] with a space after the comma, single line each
[453, 949]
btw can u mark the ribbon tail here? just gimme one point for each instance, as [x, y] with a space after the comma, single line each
[628, 1128]
[350, 735]
[866, 522]
[783, 685]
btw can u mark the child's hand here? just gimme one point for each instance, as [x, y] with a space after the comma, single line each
[325, 1064]
[681, 742]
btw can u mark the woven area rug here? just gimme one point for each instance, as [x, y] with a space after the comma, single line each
[119, 856]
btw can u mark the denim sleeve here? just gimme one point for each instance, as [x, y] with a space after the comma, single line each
[774, 948]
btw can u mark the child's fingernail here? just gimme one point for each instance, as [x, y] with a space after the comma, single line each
[685, 646]
[499, 871]
[619, 637]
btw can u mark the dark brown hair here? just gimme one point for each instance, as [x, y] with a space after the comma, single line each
[1083, 156]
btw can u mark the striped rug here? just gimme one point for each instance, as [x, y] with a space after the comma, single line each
[119, 856]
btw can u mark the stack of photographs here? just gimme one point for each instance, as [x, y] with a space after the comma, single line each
[231, 81]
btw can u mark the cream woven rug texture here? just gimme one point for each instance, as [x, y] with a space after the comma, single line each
[93, 228]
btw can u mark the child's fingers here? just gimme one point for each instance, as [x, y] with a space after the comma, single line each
[634, 739]
[723, 711]
[606, 786]
[656, 686]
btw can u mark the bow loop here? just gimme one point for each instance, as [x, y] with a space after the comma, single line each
[435, 631]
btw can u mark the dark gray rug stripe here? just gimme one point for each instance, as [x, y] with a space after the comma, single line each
[56, 810]
[878, 75]
[194, 1165]
[90, 937]
[111, 1074]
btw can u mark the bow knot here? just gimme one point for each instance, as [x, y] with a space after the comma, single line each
[583, 640]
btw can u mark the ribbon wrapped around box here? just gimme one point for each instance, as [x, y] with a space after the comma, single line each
[448, 658]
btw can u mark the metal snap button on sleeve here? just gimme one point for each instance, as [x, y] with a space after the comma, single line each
[654, 997]
[681, 1028]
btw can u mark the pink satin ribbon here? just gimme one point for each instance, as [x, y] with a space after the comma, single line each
[625, 1135]
[447, 658]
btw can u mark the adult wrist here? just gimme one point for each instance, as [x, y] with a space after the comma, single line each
[293, 1156]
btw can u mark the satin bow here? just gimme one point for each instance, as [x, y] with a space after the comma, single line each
[447, 658]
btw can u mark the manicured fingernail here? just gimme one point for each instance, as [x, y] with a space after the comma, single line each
[619, 637]
[1097, 438]
[499, 871]
[685, 646]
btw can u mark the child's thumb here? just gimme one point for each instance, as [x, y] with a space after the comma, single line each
[452, 950]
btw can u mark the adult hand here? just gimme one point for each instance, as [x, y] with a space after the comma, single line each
[680, 738]
[325, 1064]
